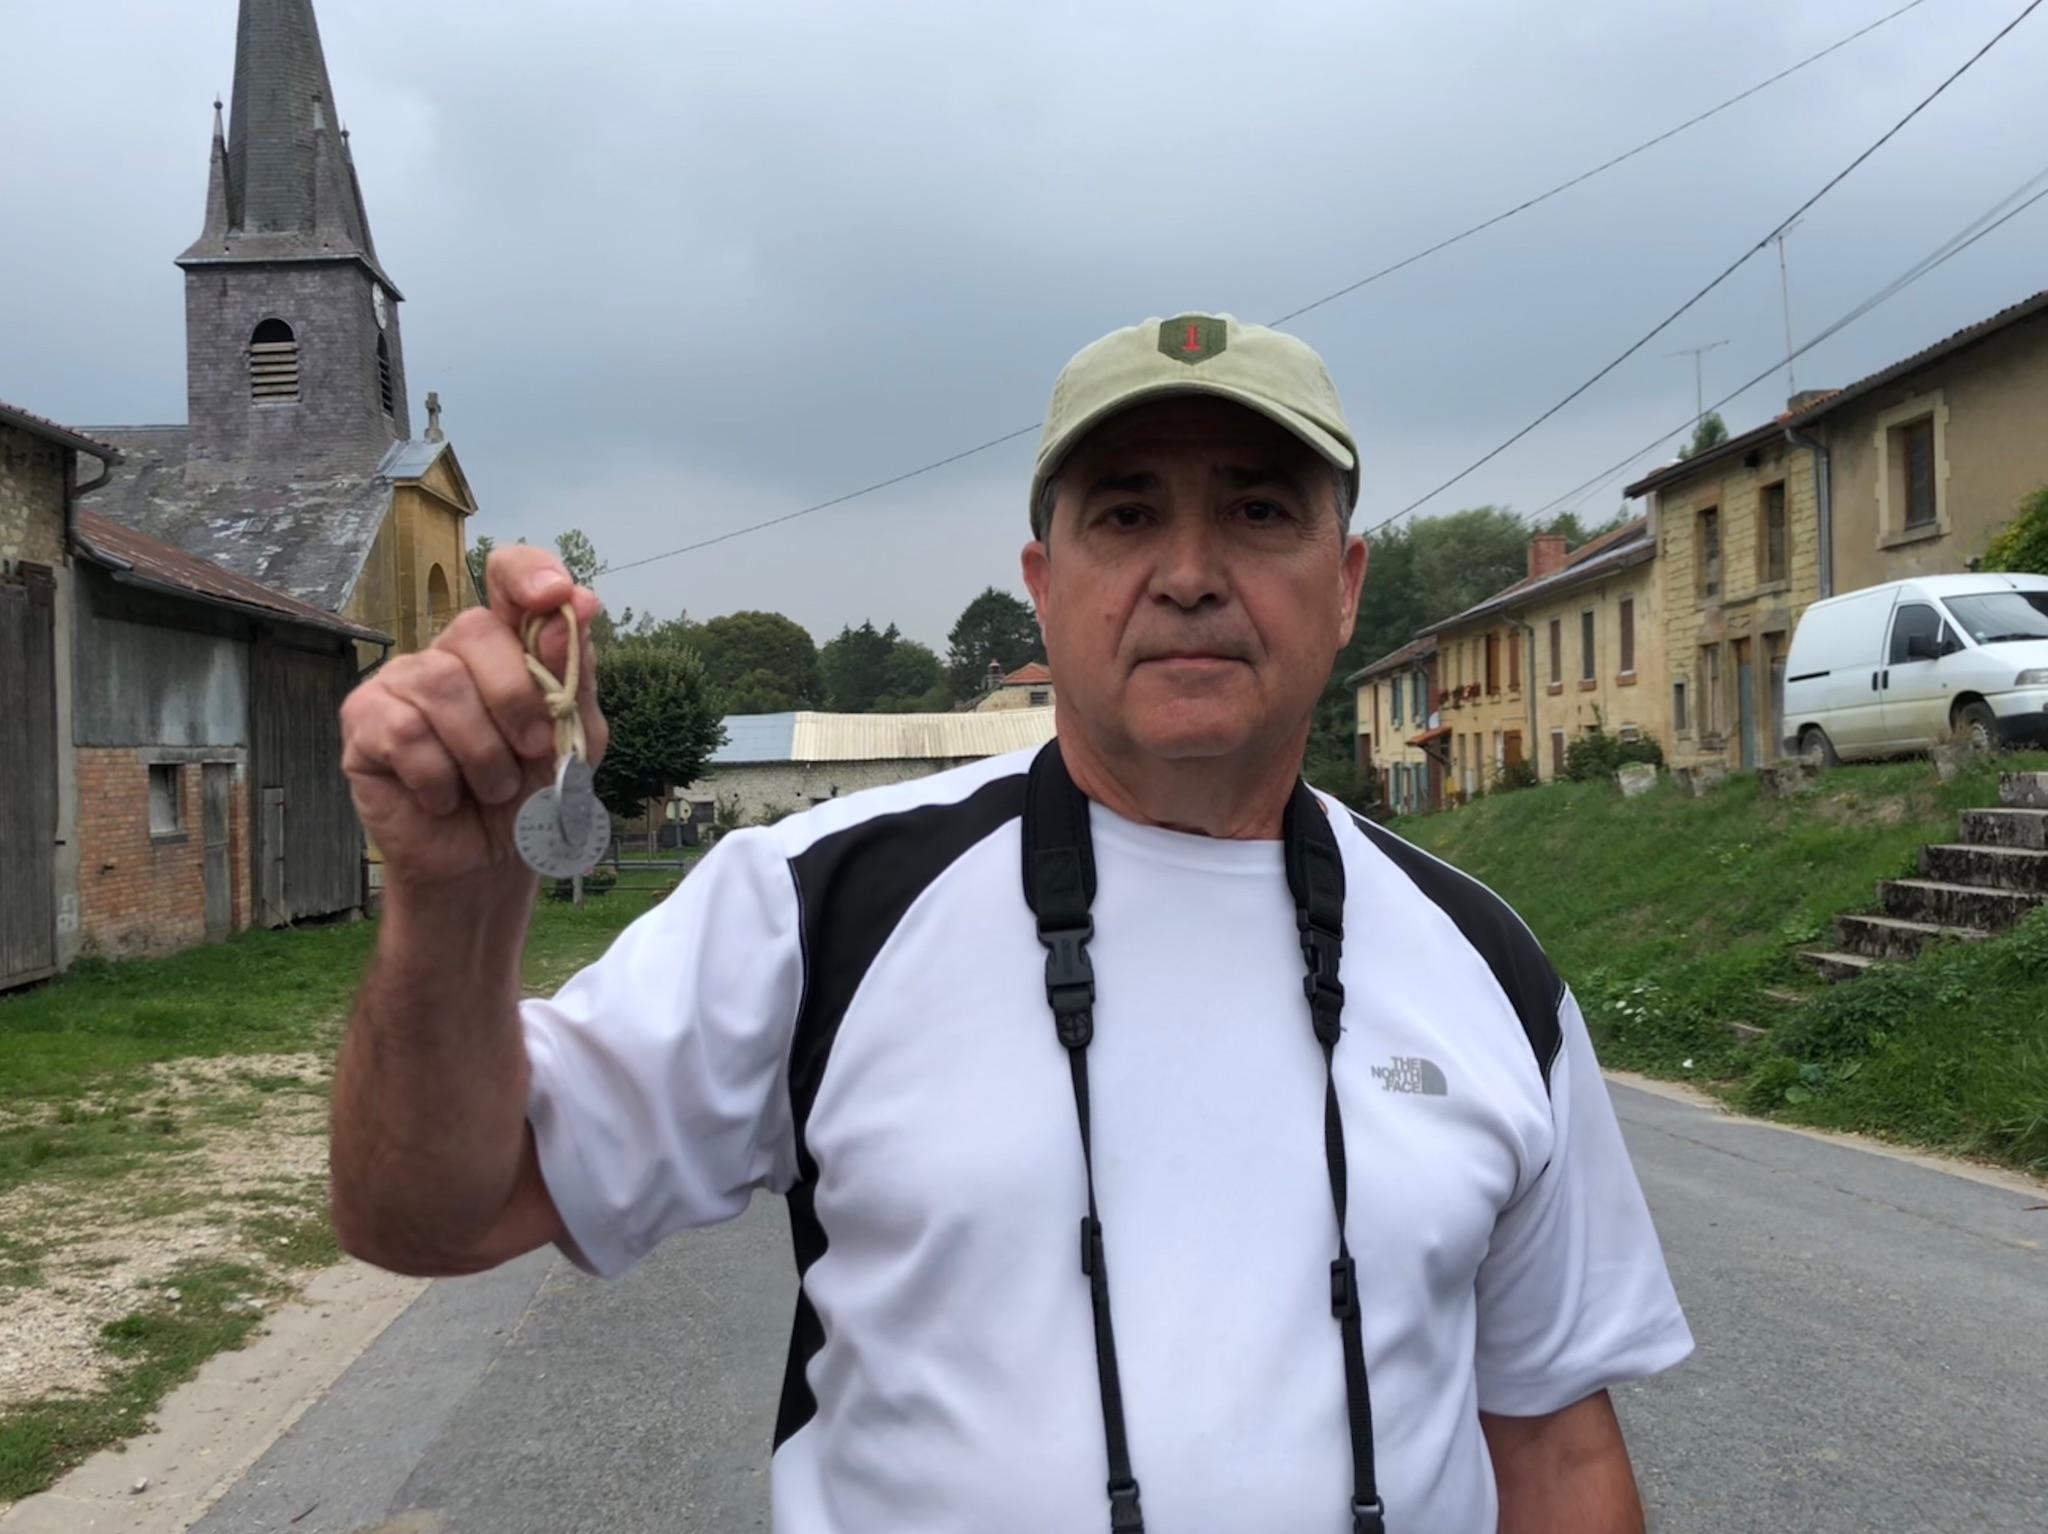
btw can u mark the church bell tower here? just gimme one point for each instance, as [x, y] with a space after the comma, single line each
[294, 365]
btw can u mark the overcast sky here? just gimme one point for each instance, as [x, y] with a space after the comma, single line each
[676, 266]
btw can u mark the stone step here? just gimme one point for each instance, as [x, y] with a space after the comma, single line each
[2023, 790]
[1787, 998]
[2006, 828]
[1747, 1033]
[1839, 966]
[1891, 937]
[1955, 905]
[2003, 868]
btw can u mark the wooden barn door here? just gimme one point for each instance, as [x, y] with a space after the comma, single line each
[28, 777]
[307, 845]
[217, 784]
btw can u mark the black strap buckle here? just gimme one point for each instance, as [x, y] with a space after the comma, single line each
[1325, 992]
[1344, 1288]
[1368, 1517]
[1124, 1514]
[1070, 982]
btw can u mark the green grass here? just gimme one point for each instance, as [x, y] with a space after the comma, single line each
[79, 1105]
[151, 1350]
[1672, 917]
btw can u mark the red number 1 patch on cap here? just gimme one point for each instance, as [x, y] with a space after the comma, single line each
[1192, 337]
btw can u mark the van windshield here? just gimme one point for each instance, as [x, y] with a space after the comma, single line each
[2000, 617]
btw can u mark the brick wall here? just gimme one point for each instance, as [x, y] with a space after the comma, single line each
[31, 499]
[141, 893]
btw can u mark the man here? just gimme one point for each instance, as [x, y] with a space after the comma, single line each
[857, 1009]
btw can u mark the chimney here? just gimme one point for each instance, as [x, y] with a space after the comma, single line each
[1546, 555]
[995, 676]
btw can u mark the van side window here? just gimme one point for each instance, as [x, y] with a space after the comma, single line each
[1916, 633]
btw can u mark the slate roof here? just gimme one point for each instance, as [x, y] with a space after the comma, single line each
[1415, 649]
[137, 559]
[1615, 549]
[307, 538]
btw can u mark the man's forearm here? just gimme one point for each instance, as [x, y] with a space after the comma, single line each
[1567, 1473]
[429, 1118]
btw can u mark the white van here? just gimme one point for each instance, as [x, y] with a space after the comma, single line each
[1894, 668]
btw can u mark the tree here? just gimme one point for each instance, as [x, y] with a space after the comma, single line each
[2022, 544]
[774, 656]
[997, 627]
[855, 667]
[579, 556]
[479, 557]
[1711, 431]
[913, 681]
[664, 722]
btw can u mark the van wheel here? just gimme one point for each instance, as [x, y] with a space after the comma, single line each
[1978, 725]
[1815, 746]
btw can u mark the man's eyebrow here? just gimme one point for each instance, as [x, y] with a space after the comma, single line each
[1140, 482]
[1255, 477]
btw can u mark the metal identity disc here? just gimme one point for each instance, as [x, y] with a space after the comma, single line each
[537, 833]
[575, 798]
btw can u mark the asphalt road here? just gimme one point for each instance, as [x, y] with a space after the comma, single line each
[1873, 1357]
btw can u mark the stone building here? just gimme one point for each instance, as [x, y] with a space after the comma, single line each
[159, 715]
[1400, 730]
[1029, 686]
[296, 466]
[774, 764]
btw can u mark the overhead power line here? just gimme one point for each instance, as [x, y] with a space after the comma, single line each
[1328, 298]
[1992, 219]
[1726, 272]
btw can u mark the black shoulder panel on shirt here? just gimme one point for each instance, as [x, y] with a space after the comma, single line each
[1501, 938]
[853, 888]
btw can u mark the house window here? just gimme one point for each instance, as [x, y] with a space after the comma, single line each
[1627, 615]
[1679, 722]
[166, 799]
[1707, 541]
[384, 374]
[1040, 697]
[1710, 689]
[1395, 701]
[1772, 543]
[1916, 470]
[1421, 698]
[274, 364]
[1587, 667]
[1514, 662]
[1557, 753]
[1493, 663]
[1556, 652]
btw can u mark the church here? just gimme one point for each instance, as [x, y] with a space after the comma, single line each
[297, 467]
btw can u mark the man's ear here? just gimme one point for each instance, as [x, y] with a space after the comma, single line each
[1351, 582]
[1036, 561]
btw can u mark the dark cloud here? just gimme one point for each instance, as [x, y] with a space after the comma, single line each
[678, 267]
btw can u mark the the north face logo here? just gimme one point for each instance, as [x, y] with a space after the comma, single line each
[1412, 1073]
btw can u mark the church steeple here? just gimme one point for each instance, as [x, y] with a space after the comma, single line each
[293, 357]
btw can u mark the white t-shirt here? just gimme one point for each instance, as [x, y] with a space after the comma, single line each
[849, 1008]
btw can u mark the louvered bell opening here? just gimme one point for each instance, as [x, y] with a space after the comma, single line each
[274, 372]
[384, 375]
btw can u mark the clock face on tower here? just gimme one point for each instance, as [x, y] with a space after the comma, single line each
[377, 305]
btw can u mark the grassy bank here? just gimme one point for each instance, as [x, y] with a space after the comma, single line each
[1672, 917]
[162, 1146]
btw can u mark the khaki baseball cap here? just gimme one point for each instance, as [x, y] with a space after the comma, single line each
[1214, 354]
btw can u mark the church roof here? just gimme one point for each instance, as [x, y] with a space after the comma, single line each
[142, 561]
[282, 184]
[305, 537]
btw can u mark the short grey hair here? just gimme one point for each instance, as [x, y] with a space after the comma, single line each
[1049, 494]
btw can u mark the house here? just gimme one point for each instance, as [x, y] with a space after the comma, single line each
[1909, 471]
[1576, 618]
[1399, 731]
[1029, 686]
[773, 764]
[169, 731]
[296, 466]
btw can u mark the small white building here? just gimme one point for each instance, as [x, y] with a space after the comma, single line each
[773, 765]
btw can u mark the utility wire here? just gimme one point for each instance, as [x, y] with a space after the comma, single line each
[1328, 298]
[1728, 271]
[1954, 246]
[1566, 186]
